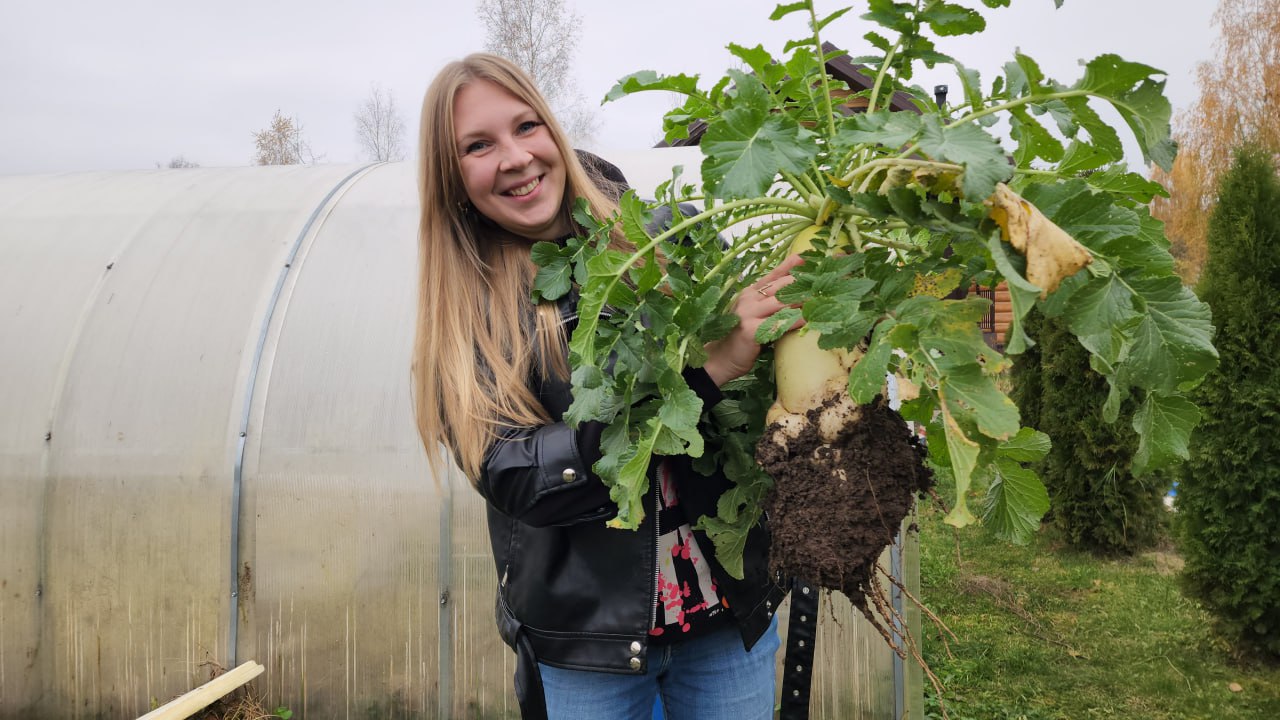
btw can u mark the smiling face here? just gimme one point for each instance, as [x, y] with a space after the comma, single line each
[511, 166]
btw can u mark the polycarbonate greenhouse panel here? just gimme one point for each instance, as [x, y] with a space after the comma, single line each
[209, 368]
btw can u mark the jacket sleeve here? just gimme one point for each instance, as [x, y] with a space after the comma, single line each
[542, 475]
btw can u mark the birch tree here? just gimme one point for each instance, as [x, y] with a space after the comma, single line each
[541, 36]
[282, 143]
[1238, 103]
[379, 126]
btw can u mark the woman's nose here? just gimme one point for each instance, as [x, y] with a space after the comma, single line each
[514, 157]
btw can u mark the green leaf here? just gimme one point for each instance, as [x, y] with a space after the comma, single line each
[1139, 99]
[777, 325]
[893, 15]
[1102, 137]
[984, 161]
[786, 9]
[1101, 314]
[1034, 141]
[1172, 345]
[1022, 294]
[1081, 157]
[866, 379]
[963, 454]
[882, 127]
[747, 146]
[1027, 446]
[593, 397]
[681, 406]
[760, 62]
[831, 18]
[1164, 425]
[946, 19]
[1091, 218]
[951, 329]
[970, 395]
[555, 274]
[971, 84]
[632, 484]
[1016, 501]
[1131, 185]
[647, 80]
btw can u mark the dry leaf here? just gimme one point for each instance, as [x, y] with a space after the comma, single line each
[1235, 687]
[1052, 255]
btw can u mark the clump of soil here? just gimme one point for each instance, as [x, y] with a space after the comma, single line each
[837, 505]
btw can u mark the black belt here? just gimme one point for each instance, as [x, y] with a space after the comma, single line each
[533, 704]
[797, 669]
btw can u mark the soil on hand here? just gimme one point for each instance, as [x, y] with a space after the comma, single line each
[836, 506]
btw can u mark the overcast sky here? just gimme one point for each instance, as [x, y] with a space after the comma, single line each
[126, 84]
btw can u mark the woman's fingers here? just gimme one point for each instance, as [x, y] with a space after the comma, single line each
[765, 290]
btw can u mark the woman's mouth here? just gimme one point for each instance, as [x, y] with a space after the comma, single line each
[525, 189]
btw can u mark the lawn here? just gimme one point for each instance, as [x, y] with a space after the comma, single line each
[1047, 633]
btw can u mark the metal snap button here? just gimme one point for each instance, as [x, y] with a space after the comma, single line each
[569, 475]
[636, 648]
[635, 663]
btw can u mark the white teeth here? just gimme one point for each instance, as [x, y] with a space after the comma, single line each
[524, 189]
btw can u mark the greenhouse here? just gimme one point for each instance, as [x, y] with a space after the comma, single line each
[208, 456]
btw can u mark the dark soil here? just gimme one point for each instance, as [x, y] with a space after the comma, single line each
[836, 506]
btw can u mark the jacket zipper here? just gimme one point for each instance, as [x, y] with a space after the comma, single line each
[657, 508]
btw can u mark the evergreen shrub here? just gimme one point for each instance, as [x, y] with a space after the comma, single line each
[1229, 492]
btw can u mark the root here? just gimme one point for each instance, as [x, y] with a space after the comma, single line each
[892, 617]
[937, 621]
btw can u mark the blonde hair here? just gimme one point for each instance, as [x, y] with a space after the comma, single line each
[475, 349]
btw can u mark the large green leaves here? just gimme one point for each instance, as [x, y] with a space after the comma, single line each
[900, 197]
[748, 145]
[984, 161]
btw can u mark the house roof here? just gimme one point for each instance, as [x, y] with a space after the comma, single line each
[839, 67]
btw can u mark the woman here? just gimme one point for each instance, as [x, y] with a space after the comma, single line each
[601, 620]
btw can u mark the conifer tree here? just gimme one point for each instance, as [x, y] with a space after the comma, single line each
[1229, 491]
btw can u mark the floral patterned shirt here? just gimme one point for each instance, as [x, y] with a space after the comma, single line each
[688, 602]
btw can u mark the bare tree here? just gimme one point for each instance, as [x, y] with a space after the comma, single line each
[282, 143]
[379, 127]
[540, 36]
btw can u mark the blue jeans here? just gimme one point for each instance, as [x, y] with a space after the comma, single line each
[707, 678]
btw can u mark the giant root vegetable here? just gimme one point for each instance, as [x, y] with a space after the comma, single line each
[898, 208]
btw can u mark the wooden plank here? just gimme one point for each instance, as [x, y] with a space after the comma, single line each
[193, 701]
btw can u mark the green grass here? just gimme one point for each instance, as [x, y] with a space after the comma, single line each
[1047, 633]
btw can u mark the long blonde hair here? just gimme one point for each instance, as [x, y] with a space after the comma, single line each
[474, 355]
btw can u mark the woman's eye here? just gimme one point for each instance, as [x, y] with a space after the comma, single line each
[475, 147]
[527, 126]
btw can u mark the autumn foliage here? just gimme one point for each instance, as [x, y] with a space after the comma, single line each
[1239, 102]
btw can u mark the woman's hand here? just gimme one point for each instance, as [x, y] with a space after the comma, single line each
[732, 356]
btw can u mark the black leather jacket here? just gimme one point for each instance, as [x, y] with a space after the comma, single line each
[573, 593]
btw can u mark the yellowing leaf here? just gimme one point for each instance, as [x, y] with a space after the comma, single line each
[1052, 255]
[937, 285]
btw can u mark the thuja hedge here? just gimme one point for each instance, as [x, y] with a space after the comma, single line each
[1229, 491]
[1096, 502]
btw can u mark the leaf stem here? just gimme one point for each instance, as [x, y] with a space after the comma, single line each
[822, 71]
[898, 162]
